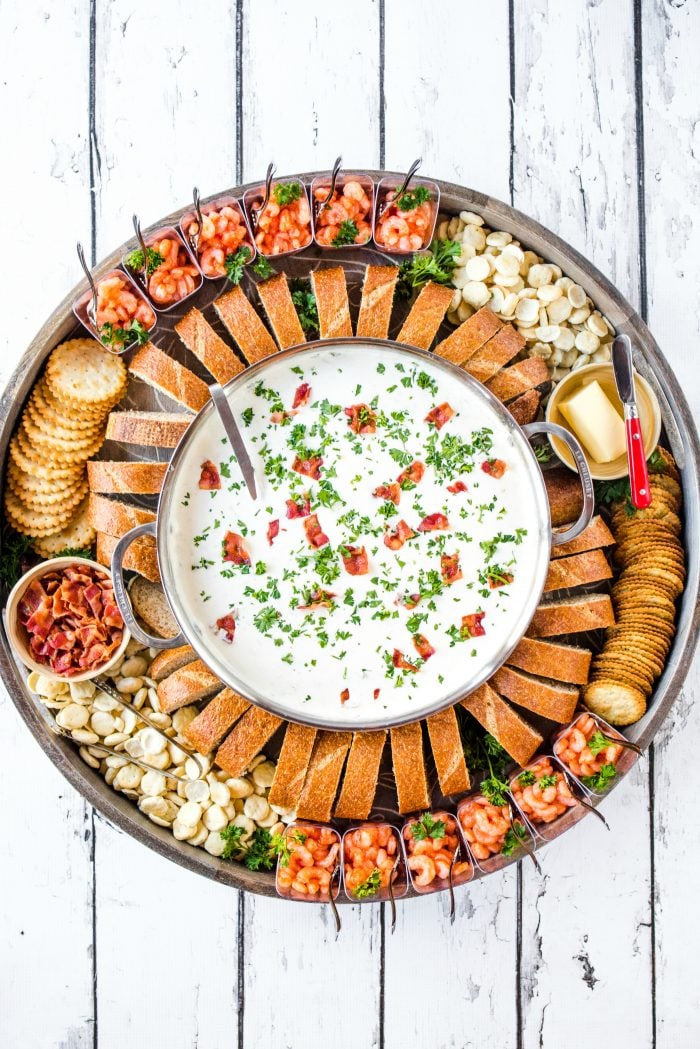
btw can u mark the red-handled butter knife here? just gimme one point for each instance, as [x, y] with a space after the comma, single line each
[636, 459]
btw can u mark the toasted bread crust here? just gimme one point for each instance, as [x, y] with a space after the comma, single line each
[471, 335]
[331, 295]
[564, 493]
[448, 752]
[141, 556]
[409, 767]
[200, 339]
[577, 570]
[492, 712]
[596, 535]
[110, 478]
[426, 316]
[292, 765]
[151, 429]
[244, 325]
[281, 313]
[189, 684]
[520, 377]
[114, 517]
[323, 775]
[524, 409]
[573, 616]
[170, 660]
[561, 662]
[377, 301]
[361, 775]
[160, 370]
[550, 699]
[495, 354]
[212, 724]
[245, 740]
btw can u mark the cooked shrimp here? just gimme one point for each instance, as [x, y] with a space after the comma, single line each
[311, 858]
[423, 869]
[572, 747]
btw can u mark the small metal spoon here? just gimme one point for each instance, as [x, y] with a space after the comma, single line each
[144, 249]
[392, 901]
[451, 886]
[404, 185]
[331, 900]
[193, 238]
[255, 211]
[92, 305]
[334, 177]
[235, 437]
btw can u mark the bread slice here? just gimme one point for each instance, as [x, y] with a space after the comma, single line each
[517, 738]
[577, 570]
[244, 325]
[331, 293]
[170, 660]
[189, 684]
[409, 767]
[141, 556]
[200, 339]
[448, 752]
[519, 378]
[151, 605]
[525, 408]
[377, 301]
[596, 535]
[245, 740]
[469, 337]
[426, 315]
[323, 775]
[361, 776]
[115, 517]
[494, 354]
[564, 493]
[115, 477]
[212, 724]
[151, 429]
[281, 313]
[161, 371]
[561, 662]
[573, 615]
[550, 699]
[291, 766]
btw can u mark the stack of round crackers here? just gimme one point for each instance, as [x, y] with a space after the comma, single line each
[650, 557]
[62, 426]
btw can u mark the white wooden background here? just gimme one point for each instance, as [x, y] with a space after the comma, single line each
[585, 115]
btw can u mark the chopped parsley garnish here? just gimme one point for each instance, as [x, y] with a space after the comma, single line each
[121, 337]
[598, 742]
[602, 779]
[435, 265]
[370, 886]
[347, 234]
[262, 267]
[134, 260]
[515, 836]
[527, 778]
[286, 193]
[547, 781]
[234, 263]
[305, 305]
[427, 827]
[411, 199]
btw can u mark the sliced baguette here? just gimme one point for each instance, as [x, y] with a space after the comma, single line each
[551, 699]
[150, 429]
[291, 767]
[212, 724]
[331, 293]
[141, 556]
[361, 776]
[573, 615]
[464, 341]
[409, 767]
[594, 537]
[189, 684]
[494, 354]
[112, 478]
[564, 493]
[323, 775]
[525, 408]
[514, 734]
[426, 316]
[377, 300]
[281, 313]
[167, 662]
[561, 662]
[115, 517]
[244, 325]
[519, 378]
[245, 740]
[448, 752]
[577, 570]
[200, 339]
[151, 605]
[161, 371]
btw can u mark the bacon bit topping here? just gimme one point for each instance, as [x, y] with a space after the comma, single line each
[234, 549]
[413, 474]
[498, 578]
[314, 533]
[390, 492]
[209, 479]
[228, 625]
[355, 560]
[401, 663]
[281, 417]
[273, 530]
[411, 600]
[434, 523]
[449, 568]
[395, 540]
[300, 509]
[72, 619]
[440, 415]
[301, 395]
[472, 625]
[345, 695]
[458, 486]
[318, 599]
[494, 467]
[308, 467]
[422, 646]
[361, 418]
[376, 693]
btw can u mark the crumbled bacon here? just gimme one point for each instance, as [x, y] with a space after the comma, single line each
[502, 579]
[300, 509]
[395, 540]
[376, 693]
[273, 530]
[316, 536]
[308, 467]
[413, 474]
[472, 625]
[355, 560]
[449, 568]
[422, 646]
[209, 479]
[318, 599]
[345, 695]
[301, 395]
[440, 415]
[458, 486]
[401, 663]
[411, 600]
[234, 549]
[281, 417]
[494, 467]
[227, 624]
[361, 418]
[390, 492]
[434, 523]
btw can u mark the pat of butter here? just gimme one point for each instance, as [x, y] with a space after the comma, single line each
[592, 417]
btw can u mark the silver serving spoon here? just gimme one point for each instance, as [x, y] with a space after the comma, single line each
[334, 178]
[144, 249]
[92, 305]
[392, 901]
[256, 211]
[331, 900]
[403, 187]
[193, 238]
[235, 437]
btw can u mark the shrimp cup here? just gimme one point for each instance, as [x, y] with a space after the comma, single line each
[589, 750]
[493, 833]
[307, 863]
[401, 232]
[543, 805]
[370, 854]
[283, 226]
[225, 231]
[124, 315]
[431, 841]
[173, 272]
[352, 205]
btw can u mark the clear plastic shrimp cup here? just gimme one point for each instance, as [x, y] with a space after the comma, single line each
[543, 794]
[173, 273]
[225, 232]
[283, 226]
[430, 841]
[346, 220]
[370, 852]
[306, 865]
[589, 751]
[493, 834]
[122, 311]
[405, 225]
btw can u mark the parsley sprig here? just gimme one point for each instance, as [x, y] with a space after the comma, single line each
[121, 337]
[286, 193]
[602, 779]
[515, 836]
[426, 826]
[347, 233]
[234, 263]
[411, 199]
[134, 260]
[436, 265]
[370, 886]
[305, 305]
[257, 852]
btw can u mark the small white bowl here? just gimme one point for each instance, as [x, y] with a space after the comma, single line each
[18, 635]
